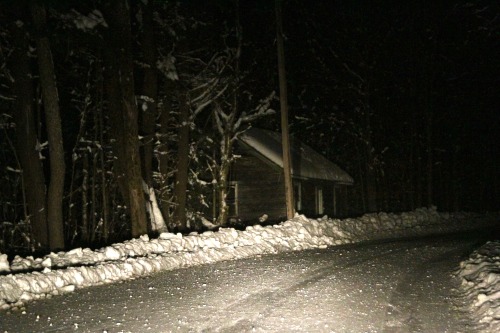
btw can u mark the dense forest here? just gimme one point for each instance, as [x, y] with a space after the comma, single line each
[118, 117]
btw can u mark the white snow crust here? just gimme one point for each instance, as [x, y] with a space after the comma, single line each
[26, 278]
[480, 275]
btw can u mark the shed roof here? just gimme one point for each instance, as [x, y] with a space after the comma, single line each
[306, 162]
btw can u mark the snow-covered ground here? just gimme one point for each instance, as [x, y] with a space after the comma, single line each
[27, 279]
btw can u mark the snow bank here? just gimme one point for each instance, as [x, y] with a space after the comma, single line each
[480, 275]
[4, 263]
[34, 278]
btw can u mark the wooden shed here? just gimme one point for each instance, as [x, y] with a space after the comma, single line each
[257, 185]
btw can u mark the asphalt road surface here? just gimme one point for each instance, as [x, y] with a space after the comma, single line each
[398, 286]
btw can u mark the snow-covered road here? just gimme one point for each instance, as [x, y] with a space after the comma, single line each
[403, 286]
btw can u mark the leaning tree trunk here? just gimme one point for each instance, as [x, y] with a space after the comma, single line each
[26, 137]
[54, 130]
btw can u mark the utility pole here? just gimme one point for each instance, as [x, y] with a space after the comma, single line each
[285, 136]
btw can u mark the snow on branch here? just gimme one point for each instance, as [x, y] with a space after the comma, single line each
[346, 66]
[167, 66]
[263, 109]
[211, 83]
[87, 22]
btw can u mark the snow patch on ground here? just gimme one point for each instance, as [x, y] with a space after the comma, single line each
[26, 279]
[480, 275]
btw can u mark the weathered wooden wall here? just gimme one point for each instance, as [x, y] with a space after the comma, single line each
[260, 189]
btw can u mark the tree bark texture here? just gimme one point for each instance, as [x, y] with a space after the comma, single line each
[163, 159]
[181, 177]
[26, 137]
[114, 110]
[54, 129]
[223, 186]
[118, 18]
[150, 90]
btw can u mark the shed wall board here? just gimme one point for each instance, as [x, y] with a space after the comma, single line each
[260, 189]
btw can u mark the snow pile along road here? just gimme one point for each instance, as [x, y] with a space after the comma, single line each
[26, 279]
[481, 283]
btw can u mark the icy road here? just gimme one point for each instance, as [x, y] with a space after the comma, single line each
[400, 286]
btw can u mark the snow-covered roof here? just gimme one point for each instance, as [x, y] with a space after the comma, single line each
[306, 163]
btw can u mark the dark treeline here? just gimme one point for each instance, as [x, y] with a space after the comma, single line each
[118, 118]
[405, 98]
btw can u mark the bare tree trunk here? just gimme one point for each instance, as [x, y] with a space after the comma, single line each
[181, 177]
[163, 157]
[113, 96]
[370, 171]
[428, 141]
[419, 178]
[104, 193]
[371, 189]
[150, 90]
[93, 200]
[223, 185]
[136, 193]
[411, 166]
[26, 137]
[54, 130]
[456, 176]
[104, 187]
[85, 200]
[229, 131]
[118, 18]
[361, 181]
[429, 72]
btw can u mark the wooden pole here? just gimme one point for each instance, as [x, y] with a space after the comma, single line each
[284, 114]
